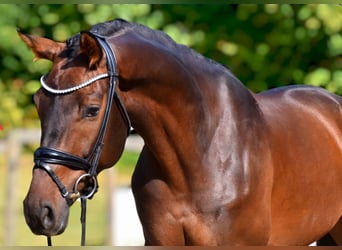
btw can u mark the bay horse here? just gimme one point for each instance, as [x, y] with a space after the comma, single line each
[220, 165]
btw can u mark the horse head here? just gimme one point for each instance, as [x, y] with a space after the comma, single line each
[74, 108]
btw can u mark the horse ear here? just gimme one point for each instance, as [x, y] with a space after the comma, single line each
[91, 48]
[42, 47]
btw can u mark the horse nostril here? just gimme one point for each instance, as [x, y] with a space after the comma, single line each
[47, 217]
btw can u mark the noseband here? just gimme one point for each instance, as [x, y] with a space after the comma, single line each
[44, 156]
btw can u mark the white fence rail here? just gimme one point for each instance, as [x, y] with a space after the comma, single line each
[12, 146]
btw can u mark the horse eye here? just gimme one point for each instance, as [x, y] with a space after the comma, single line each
[91, 111]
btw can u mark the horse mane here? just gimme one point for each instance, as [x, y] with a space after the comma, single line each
[119, 26]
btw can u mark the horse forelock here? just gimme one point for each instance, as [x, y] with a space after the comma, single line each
[72, 46]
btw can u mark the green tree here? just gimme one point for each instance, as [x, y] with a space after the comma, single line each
[265, 46]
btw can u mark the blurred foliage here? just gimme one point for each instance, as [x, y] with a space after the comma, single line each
[265, 46]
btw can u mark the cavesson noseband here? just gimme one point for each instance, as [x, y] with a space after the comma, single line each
[44, 156]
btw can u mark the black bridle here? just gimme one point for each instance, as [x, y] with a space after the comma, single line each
[44, 156]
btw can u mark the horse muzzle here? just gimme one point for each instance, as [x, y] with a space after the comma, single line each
[45, 216]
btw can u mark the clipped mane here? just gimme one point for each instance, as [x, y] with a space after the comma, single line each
[119, 26]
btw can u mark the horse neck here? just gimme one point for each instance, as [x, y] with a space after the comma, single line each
[167, 113]
[178, 109]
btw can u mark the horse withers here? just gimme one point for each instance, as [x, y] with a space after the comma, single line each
[220, 166]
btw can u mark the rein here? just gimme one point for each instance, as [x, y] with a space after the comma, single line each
[44, 156]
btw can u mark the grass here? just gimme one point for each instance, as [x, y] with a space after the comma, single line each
[97, 210]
